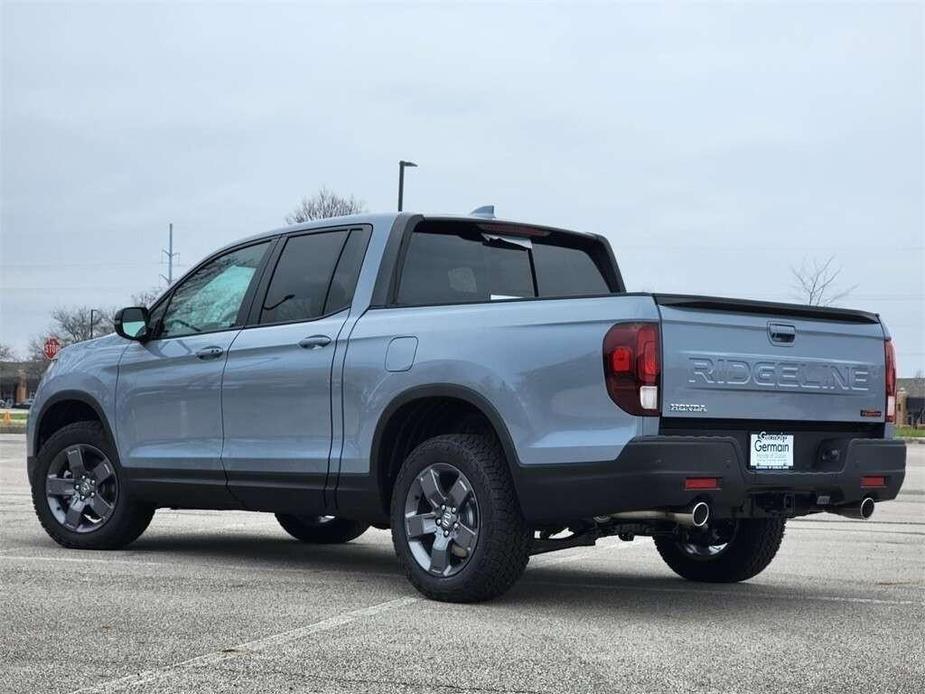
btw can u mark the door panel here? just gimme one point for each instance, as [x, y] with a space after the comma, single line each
[168, 413]
[276, 392]
[276, 405]
[168, 394]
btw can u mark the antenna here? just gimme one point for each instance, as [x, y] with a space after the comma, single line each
[170, 256]
[487, 211]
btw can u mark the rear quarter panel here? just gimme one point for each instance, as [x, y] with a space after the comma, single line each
[538, 363]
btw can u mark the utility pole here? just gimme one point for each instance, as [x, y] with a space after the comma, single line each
[92, 321]
[401, 180]
[170, 256]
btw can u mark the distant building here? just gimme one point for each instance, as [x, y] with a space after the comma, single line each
[910, 401]
[19, 379]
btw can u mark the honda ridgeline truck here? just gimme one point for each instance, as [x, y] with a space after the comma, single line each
[488, 390]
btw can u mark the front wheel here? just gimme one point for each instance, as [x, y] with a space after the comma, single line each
[80, 492]
[456, 523]
[729, 552]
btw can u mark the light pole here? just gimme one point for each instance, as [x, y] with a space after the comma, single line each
[92, 321]
[401, 180]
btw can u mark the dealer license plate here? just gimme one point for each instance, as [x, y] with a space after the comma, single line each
[771, 451]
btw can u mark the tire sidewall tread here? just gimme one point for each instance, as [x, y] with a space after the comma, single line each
[749, 553]
[502, 550]
[130, 517]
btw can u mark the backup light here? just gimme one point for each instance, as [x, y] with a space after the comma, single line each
[889, 362]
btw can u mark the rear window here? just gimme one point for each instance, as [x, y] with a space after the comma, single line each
[564, 271]
[462, 262]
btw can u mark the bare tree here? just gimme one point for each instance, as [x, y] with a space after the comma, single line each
[147, 297]
[7, 353]
[814, 282]
[72, 325]
[324, 204]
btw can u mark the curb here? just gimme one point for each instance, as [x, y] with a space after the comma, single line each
[914, 439]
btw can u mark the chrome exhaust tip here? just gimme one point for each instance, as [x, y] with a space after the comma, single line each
[700, 514]
[861, 510]
[697, 517]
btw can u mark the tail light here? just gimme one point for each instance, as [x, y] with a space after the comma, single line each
[632, 367]
[890, 373]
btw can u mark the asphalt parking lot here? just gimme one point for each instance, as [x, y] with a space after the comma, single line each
[216, 602]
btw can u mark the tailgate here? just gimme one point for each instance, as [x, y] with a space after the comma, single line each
[733, 359]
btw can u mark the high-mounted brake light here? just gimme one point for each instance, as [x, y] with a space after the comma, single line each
[632, 367]
[890, 374]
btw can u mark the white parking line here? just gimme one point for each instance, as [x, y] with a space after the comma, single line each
[255, 646]
[172, 564]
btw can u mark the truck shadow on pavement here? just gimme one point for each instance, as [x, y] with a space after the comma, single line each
[620, 586]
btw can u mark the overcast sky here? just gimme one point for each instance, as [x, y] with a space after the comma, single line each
[715, 145]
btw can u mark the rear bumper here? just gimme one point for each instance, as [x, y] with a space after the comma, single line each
[650, 473]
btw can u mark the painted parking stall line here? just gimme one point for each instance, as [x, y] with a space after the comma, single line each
[242, 649]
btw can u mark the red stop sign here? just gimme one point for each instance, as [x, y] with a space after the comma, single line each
[51, 348]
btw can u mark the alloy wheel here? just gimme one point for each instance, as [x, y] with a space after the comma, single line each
[441, 519]
[81, 488]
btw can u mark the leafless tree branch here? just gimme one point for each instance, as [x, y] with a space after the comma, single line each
[322, 205]
[815, 282]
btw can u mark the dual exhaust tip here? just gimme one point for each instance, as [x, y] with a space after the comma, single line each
[699, 514]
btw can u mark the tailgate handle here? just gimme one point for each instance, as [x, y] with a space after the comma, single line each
[781, 333]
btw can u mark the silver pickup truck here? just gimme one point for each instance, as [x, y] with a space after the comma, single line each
[487, 389]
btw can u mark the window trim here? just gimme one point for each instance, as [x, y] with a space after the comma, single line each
[246, 301]
[612, 276]
[260, 292]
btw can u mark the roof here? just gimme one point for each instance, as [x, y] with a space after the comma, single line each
[387, 219]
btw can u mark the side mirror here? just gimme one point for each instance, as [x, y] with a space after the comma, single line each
[132, 323]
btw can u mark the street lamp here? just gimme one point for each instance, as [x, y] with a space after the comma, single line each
[401, 179]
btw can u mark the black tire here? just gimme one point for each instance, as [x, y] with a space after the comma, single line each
[321, 530]
[129, 517]
[753, 545]
[500, 553]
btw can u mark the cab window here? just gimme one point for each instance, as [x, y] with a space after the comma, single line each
[211, 297]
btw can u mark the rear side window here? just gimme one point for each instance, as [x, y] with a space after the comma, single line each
[344, 282]
[461, 262]
[315, 276]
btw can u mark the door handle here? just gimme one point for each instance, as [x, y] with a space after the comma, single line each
[314, 342]
[209, 353]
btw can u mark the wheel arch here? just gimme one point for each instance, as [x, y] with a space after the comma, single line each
[388, 432]
[66, 407]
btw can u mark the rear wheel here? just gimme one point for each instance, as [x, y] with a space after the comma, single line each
[456, 524]
[321, 530]
[727, 552]
[80, 493]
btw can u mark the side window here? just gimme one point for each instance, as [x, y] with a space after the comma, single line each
[566, 271]
[211, 297]
[299, 287]
[453, 268]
